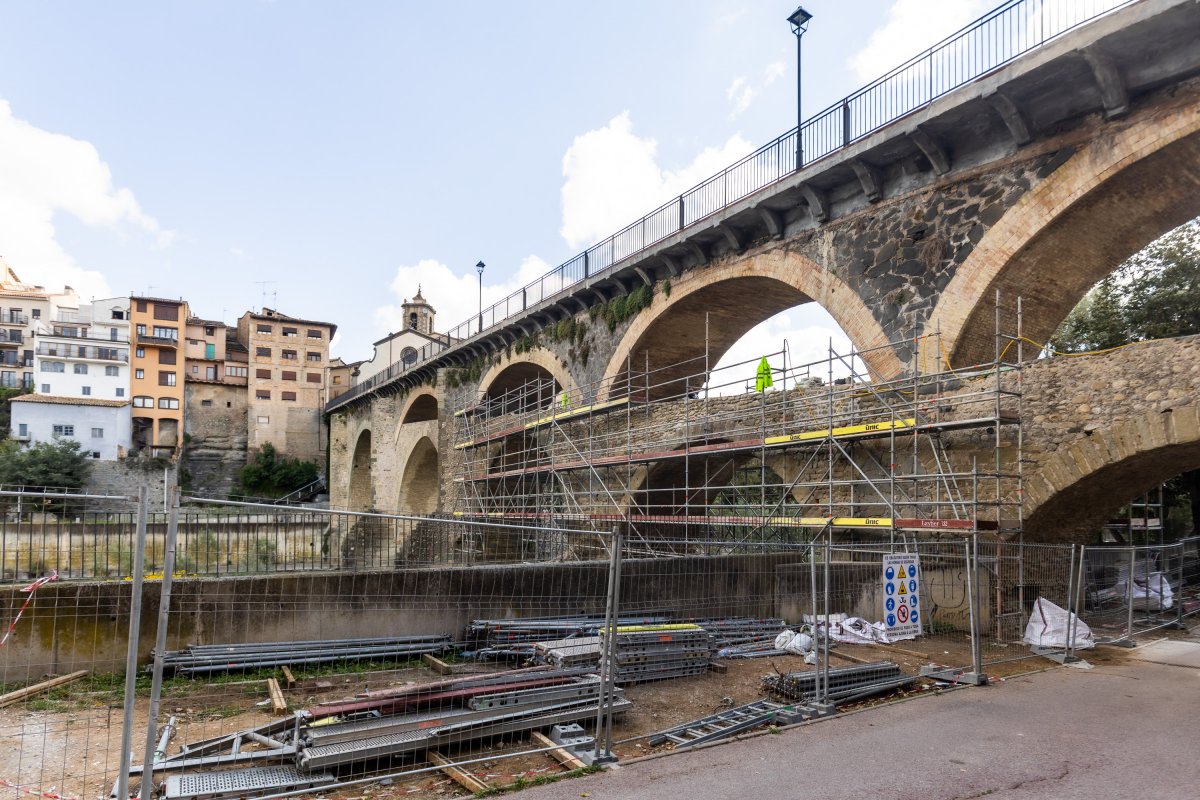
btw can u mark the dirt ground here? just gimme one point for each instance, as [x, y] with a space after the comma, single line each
[67, 744]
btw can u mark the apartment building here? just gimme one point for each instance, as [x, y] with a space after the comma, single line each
[84, 352]
[156, 383]
[285, 387]
[101, 426]
[23, 307]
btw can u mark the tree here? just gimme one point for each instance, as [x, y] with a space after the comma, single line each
[1153, 295]
[7, 394]
[270, 474]
[60, 464]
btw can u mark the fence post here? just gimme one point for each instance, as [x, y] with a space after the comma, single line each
[971, 546]
[1129, 593]
[845, 123]
[1179, 591]
[131, 655]
[160, 645]
[608, 657]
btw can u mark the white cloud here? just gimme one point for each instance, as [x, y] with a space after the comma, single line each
[911, 26]
[740, 94]
[455, 297]
[774, 71]
[612, 178]
[43, 174]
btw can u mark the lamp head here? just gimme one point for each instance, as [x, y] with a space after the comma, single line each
[799, 19]
[479, 268]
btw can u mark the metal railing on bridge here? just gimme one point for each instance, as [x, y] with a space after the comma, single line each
[997, 38]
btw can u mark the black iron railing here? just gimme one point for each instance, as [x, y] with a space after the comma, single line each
[1009, 31]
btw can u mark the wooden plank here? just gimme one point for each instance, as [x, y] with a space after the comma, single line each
[562, 756]
[29, 691]
[437, 665]
[460, 776]
[279, 705]
[289, 679]
[891, 648]
[856, 659]
[719, 667]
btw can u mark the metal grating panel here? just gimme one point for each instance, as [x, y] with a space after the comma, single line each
[240, 782]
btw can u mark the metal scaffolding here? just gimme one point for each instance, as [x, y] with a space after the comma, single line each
[703, 457]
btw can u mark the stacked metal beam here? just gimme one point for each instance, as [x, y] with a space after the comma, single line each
[731, 631]
[206, 659]
[845, 683]
[582, 651]
[449, 712]
[654, 652]
[490, 639]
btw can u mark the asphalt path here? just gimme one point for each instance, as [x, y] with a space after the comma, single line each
[1128, 732]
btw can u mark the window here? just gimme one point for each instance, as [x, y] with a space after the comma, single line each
[409, 356]
[167, 333]
[262, 351]
[96, 454]
[314, 333]
[289, 395]
[264, 420]
[118, 314]
[412, 321]
[141, 306]
[36, 313]
[45, 388]
[64, 430]
[337, 379]
[53, 366]
[195, 369]
[262, 394]
[168, 402]
[141, 330]
[22, 429]
[168, 312]
[81, 369]
[263, 328]
[288, 355]
[166, 378]
[262, 373]
[237, 372]
[139, 374]
[313, 377]
[288, 376]
[141, 401]
[112, 372]
[210, 373]
[87, 391]
[210, 330]
[140, 352]
[166, 356]
[290, 331]
[97, 433]
[206, 403]
[210, 351]
[120, 391]
[112, 334]
[311, 356]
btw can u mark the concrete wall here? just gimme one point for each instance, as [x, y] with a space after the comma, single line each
[84, 625]
[124, 477]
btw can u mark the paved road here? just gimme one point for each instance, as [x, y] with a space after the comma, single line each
[1130, 732]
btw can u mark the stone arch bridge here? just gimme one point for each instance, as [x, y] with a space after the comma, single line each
[1033, 181]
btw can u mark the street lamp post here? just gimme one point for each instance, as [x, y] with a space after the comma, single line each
[799, 20]
[479, 268]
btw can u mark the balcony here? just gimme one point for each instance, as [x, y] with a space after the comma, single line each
[157, 341]
[11, 338]
[13, 359]
[85, 352]
[75, 337]
[13, 318]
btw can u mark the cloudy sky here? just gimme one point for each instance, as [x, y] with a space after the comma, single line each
[325, 158]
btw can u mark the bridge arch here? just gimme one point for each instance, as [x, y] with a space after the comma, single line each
[530, 379]
[740, 293]
[420, 479]
[1078, 487]
[362, 490]
[1119, 192]
[420, 406]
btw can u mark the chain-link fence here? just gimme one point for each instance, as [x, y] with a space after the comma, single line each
[453, 653]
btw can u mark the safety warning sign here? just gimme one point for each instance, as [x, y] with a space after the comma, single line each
[902, 595]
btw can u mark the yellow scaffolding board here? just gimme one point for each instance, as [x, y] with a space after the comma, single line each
[845, 430]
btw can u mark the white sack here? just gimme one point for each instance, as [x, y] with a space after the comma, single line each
[1049, 626]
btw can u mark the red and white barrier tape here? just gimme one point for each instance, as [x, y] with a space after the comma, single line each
[30, 589]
